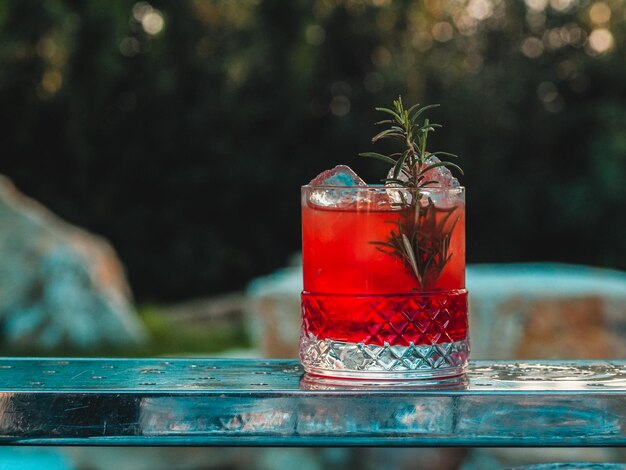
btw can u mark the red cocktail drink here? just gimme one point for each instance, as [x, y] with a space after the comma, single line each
[384, 282]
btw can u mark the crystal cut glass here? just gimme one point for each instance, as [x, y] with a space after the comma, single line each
[384, 283]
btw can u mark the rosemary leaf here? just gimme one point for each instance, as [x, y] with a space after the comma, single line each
[378, 156]
[421, 110]
[410, 254]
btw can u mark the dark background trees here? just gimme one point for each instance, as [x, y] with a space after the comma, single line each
[182, 131]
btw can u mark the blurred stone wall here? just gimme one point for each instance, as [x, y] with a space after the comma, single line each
[60, 286]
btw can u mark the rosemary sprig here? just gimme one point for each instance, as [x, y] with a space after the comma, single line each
[413, 161]
[419, 237]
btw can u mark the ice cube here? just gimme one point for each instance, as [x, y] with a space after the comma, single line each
[398, 195]
[341, 175]
[442, 175]
[327, 188]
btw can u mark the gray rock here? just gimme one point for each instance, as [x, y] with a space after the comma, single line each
[60, 286]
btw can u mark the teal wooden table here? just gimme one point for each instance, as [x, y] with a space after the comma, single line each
[207, 402]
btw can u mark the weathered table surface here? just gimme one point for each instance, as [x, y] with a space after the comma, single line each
[213, 402]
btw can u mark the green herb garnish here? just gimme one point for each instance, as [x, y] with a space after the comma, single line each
[419, 238]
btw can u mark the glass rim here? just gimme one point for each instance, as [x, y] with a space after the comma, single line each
[380, 187]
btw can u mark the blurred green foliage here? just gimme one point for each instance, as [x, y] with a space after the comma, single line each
[167, 336]
[183, 130]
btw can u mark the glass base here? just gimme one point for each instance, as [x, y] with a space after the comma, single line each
[323, 382]
[370, 362]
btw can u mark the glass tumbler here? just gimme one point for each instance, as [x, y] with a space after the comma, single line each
[384, 294]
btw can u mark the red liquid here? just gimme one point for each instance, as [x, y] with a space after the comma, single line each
[339, 258]
[398, 320]
[355, 292]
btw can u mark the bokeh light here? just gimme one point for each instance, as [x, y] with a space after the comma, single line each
[601, 40]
